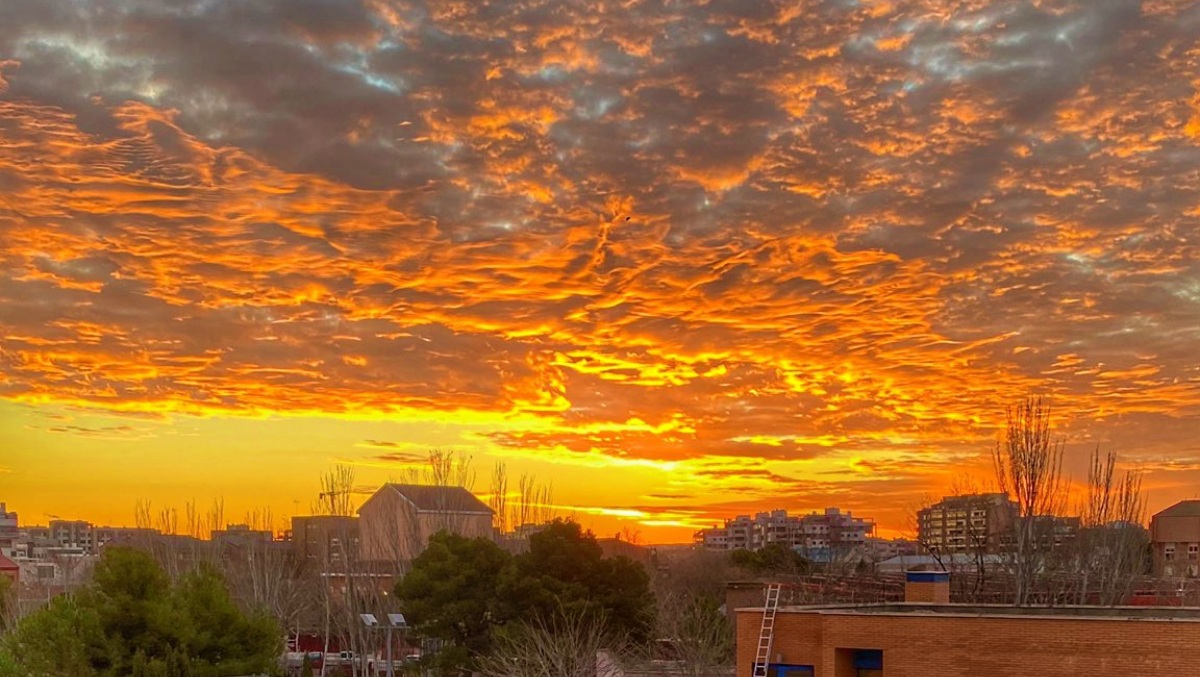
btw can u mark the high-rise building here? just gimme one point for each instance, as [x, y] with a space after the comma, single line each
[970, 523]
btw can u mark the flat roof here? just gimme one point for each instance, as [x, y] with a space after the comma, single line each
[1123, 613]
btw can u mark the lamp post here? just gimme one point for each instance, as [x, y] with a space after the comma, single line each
[394, 621]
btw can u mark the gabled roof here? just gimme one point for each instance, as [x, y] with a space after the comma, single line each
[7, 564]
[431, 498]
[1182, 509]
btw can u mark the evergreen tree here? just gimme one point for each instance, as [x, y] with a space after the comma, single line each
[132, 621]
[462, 590]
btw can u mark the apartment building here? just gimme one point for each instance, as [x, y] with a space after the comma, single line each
[819, 536]
[90, 539]
[9, 532]
[967, 523]
[1175, 539]
[926, 636]
[833, 533]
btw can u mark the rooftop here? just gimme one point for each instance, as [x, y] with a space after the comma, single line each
[431, 498]
[1124, 613]
[1182, 509]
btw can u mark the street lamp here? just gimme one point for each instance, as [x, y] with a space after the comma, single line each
[394, 621]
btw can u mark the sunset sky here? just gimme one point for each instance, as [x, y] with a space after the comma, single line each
[682, 259]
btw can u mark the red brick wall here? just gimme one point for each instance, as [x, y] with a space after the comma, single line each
[922, 645]
[927, 592]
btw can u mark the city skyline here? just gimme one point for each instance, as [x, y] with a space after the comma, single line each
[682, 262]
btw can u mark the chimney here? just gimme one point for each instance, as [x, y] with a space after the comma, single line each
[927, 587]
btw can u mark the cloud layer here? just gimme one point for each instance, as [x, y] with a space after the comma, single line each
[705, 236]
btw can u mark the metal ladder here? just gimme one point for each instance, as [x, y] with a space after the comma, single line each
[765, 636]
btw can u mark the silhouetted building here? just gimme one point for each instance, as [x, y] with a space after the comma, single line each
[240, 536]
[396, 522]
[328, 539]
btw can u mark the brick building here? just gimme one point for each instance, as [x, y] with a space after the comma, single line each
[1175, 539]
[395, 523]
[927, 637]
[325, 539]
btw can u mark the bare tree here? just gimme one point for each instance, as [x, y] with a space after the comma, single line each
[498, 499]
[700, 635]
[1028, 464]
[337, 600]
[442, 468]
[337, 485]
[569, 644]
[1110, 549]
[534, 501]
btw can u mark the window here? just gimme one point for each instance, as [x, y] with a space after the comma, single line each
[1193, 550]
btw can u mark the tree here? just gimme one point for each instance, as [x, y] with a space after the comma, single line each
[700, 634]
[217, 638]
[564, 569]
[461, 591]
[131, 620]
[1028, 464]
[130, 597]
[1109, 552]
[775, 558]
[533, 504]
[63, 638]
[450, 595]
[8, 603]
[565, 644]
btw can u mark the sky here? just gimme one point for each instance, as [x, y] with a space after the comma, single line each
[681, 260]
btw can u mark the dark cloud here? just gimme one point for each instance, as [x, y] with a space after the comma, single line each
[836, 234]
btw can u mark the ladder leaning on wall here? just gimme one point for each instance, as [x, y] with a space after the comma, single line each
[767, 633]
